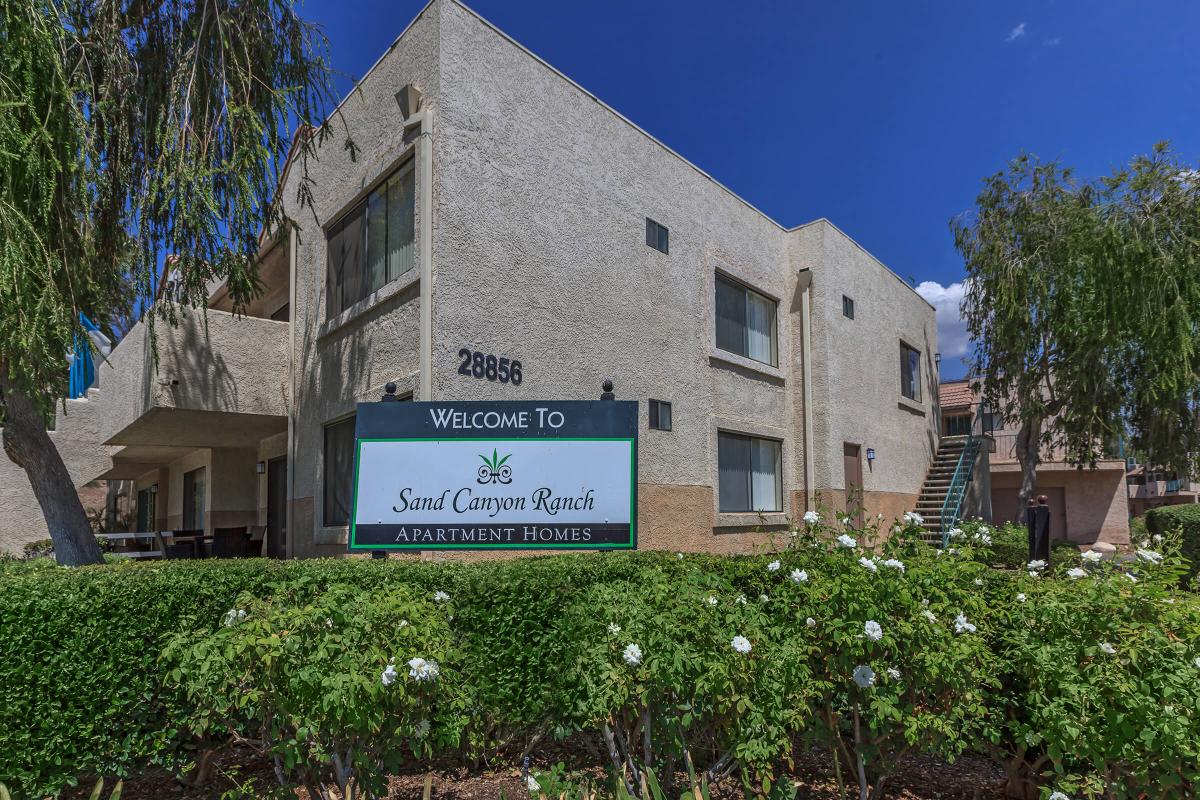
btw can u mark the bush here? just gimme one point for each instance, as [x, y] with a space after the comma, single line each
[339, 688]
[1099, 679]
[1185, 519]
[113, 667]
[1010, 548]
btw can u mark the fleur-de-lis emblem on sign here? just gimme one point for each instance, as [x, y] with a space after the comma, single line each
[494, 470]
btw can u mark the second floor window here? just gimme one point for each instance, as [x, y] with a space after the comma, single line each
[372, 244]
[745, 322]
[910, 373]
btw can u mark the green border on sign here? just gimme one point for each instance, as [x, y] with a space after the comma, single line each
[632, 495]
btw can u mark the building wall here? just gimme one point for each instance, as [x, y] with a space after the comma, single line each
[341, 361]
[175, 470]
[269, 448]
[856, 372]
[540, 196]
[1093, 505]
[543, 195]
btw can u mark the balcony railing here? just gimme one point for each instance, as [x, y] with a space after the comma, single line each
[1006, 450]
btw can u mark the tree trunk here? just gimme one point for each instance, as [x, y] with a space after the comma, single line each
[1028, 443]
[28, 444]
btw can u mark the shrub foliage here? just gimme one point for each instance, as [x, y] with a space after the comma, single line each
[1083, 676]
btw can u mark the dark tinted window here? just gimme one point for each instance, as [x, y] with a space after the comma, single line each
[660, 415]
[657, 236]
[910, 373]
[749, 473]
[745, 321]
[372, 244]
[339, 472]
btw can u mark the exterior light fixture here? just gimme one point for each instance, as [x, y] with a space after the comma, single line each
[409, 100]
[260, 467]
[937, 358]
[871, 455]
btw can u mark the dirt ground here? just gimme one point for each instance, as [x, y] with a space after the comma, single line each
[920, 778]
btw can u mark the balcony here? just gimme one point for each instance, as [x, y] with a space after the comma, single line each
[219, 381]
[1005, 455]
[1152, 489]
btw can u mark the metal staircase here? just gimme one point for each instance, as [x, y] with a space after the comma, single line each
[941, 500]
[936, 489]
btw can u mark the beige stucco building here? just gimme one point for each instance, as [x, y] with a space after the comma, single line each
[1087, 505]
[495, 206]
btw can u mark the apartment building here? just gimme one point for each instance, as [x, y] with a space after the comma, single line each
[502, 234]
[1151, 487]
[1086, 505]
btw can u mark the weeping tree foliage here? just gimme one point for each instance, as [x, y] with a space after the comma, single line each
[129, 130]
[1083, 305]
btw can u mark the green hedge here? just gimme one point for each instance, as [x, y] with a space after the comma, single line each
[1185, 519]
[1010, 548]
[107, 669]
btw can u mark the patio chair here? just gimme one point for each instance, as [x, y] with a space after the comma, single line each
[231, 542]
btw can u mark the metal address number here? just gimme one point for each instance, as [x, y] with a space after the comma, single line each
[487, 366]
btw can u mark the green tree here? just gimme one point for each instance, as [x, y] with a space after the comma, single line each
[130, 130]
[1083, 305]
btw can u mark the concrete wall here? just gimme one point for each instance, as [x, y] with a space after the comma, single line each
[1093, 502]
[978, 500]
[856, 371]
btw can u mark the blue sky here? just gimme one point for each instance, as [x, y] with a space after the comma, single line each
[881, 116]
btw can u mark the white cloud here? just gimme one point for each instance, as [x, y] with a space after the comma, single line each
[1016, 33]
[1055, 42]
[952, 331]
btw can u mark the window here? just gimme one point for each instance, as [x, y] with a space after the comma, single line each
[660, 415]
[745, 321]
[146, 518]
[847, 307]
[910, 373]
[958, 425]
[749, 473]
[193, 500]
[339, 472]
[372, 244]
[657, 236]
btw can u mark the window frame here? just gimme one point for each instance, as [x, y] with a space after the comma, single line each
[658, 236]
[906, 364]
[655, 409]
[958, 424]
[747, 293]
[847, 306]
[749, 439]
[358, 213]
[328, 473]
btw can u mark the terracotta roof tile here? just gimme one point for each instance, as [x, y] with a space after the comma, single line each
[955, 395]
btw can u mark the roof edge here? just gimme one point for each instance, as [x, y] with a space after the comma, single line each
[869, 254]
[614, 112]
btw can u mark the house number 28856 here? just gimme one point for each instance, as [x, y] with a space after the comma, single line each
[488, 367]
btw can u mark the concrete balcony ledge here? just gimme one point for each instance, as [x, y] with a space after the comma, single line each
[219, 380]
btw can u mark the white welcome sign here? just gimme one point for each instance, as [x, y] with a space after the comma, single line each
[495, 476]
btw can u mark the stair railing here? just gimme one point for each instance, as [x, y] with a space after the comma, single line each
[961, 480]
